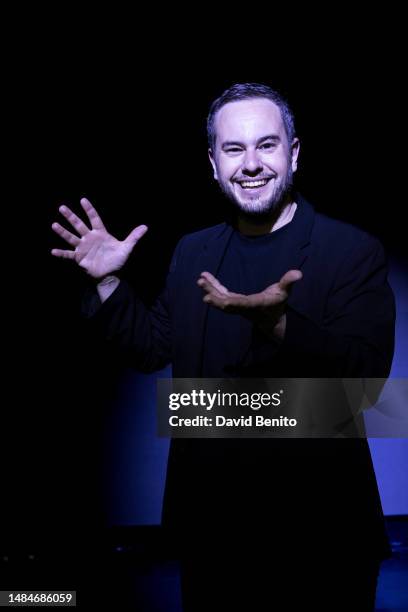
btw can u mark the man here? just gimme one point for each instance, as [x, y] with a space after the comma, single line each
[279, 291]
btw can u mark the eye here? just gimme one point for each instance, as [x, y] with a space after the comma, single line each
[267, 145]
[233, 150]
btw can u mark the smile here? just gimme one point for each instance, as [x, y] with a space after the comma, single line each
[253, 184]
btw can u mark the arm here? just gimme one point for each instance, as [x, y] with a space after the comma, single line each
[114, 308]
[356, 337]
[142, 335]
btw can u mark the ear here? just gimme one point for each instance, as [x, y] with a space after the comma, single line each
[212, 161]
[294, 149]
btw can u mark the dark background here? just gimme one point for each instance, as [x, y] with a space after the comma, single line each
[125, 126]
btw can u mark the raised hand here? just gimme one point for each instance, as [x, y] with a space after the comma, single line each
[95, 250]
[266, 308]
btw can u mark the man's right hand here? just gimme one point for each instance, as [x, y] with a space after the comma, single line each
[95, 250]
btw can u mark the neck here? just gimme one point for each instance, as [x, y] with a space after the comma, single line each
[265, 224]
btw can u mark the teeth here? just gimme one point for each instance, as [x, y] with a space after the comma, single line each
[252, 184]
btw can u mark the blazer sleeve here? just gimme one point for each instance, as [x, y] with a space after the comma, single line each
[143, 336]
[356, 336]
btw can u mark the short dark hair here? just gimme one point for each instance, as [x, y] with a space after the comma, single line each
[247, 91]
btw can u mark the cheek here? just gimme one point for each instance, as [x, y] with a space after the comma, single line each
[228, 168]
[281, 169]
[277, 163]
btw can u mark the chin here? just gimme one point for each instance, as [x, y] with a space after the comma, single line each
[255, 211]
[257, 208]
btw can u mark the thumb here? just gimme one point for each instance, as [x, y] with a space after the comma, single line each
[289, 278]
[136, 234]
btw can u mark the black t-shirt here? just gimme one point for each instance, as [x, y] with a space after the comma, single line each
[248, 267]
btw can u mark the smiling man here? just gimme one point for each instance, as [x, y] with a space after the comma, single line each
[254, 156]
[280, 292]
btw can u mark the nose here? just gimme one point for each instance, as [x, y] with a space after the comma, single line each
[252, 164]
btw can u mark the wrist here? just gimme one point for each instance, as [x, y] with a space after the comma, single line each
[270, 323]
[280, 328]
[107, 286]
[106, 280]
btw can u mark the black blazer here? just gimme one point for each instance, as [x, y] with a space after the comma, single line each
[340, 323]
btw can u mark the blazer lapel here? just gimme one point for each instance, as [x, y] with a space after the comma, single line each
[296, 250]
[210, 260]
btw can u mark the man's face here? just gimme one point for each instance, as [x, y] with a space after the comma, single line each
[253, 161]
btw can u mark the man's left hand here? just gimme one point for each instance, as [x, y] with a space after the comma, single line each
[266, 308]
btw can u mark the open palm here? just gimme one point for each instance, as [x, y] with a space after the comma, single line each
[273, 297]
[95, 250]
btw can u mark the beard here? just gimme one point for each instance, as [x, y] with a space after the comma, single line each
[257, 209]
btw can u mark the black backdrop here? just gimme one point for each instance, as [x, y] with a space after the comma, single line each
[128, 131]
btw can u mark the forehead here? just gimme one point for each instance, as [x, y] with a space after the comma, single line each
[248, 120]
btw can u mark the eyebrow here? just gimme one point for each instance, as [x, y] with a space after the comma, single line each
[230, 143]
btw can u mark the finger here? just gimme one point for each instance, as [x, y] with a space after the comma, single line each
[94, 218]
[75, 221]
[289, 278]
[209, 288]
[216, 299]
[278, 292]
[65, 254]
[225, 301]
[136, 234]
[207, 276]
[218, 295]
[233, 302]
[65, 234]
